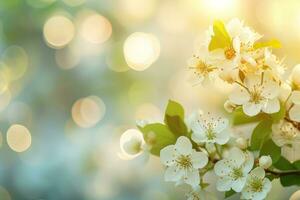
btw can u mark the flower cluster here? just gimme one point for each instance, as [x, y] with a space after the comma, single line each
[190, 147]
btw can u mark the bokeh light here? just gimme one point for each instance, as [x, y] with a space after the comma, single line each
[67, 58]
[96, 28]
[58, 31]
[5, 99]
[18, 138]
[16, 62]
[87, 112]
[141, 50]
[131, 12]
[148, 111]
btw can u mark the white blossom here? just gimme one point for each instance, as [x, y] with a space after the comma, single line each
[258, 93]
[233, 170]
[183, 162]
[209, 129]
[240, 51]
[257, 186]
[285, 133]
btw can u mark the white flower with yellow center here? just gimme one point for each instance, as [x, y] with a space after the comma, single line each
[257, 186]
[202, 70]
[208, 128]
[258, 93]
[240, 51]
[285, 133]
[183, 162]
[233, 170]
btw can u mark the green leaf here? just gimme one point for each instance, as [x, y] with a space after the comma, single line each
[174, 109]
[239, 117]
[157, 136]
[229, 193]
[289, 180]
[174, 118]
[271, 177]
[279, 115]
[260, 134]
[176, 125]
[272, 43]
[270, 148]
[283, 164]
[221, 38]
[296, 164]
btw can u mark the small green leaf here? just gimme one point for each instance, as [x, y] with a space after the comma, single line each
[296, 164]
[157, 136]
[279, 115]
[283, 164]
[221, 38]
[272, 43]
[289, 180]
[229, 193]
[174, 109]
[270, 148]
[176, 125]
[174, 118]
[239, 117]
[260, 134]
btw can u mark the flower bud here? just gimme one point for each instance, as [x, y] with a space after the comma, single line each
[131, 143]
[242, 143]
[265, 162]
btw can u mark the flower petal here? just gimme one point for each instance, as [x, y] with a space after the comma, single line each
[239, 96]
[236, 43]
[224, 184]
[167, 155]
[271, 89]
[295, 97]
[221, 124]
[192, 178]
[272, 106]
[258, 172]
[237, 156]
[199, 159]
[222, 167]
[173, 174]
[183, 146]
[238, 184]
[251, 109]
[294, 113]
[249, 161]
[222, 137]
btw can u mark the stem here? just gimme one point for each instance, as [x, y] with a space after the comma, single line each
[218, 151]
[243, 86]
[282, 173]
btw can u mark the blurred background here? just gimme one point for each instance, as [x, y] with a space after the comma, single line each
[75, 74]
